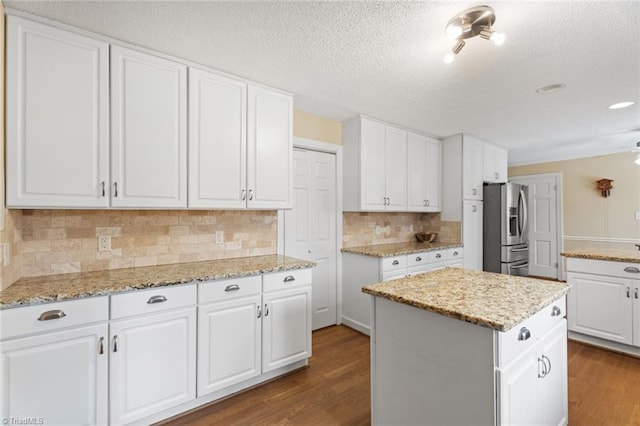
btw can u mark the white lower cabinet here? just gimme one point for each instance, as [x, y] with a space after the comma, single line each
[229, 333]
[153, 356]
[60, 374]
[532, 389]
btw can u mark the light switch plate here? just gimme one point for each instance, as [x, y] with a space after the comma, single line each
[104, 243]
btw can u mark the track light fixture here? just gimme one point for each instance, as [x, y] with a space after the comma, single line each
[476, 21]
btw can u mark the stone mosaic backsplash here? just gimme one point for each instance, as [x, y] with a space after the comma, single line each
[367, 228]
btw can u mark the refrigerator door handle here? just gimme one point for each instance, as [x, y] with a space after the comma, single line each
[523, 213]
[524, 265]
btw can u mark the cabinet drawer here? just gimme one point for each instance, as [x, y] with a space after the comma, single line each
[393, 263]
[286, 279]
[216, 291]
[417, 259]
[538, 325]
[153, 300]
[22, 321]
[445, 254]
[604, 267]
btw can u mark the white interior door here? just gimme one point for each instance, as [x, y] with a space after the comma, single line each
[310, 228]
[543, 224]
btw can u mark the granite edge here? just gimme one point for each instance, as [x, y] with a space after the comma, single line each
[601, 256]
[375, 250]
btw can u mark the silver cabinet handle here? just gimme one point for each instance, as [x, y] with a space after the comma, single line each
[427, 203]
[388, 201]
[289, 278]
[259, 312]
[524, 334]
[115, 343]
[101, 346]
[474, 191]
[628, 292]
[156, 299]
[545, 360]
[474, 208]
[243, 195]
[455, 253]
[266, 310]
[497, 175]
[115, 189]
[555, 311]
[632, 269]
[424, 203]
[232, 287]
[635, 292]
[395, 262]
[51, 315]
[102, 185]
[418, 259]
[250, 194]
[438, 256]
[542, 375]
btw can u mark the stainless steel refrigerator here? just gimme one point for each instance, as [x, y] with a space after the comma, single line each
[505, 235]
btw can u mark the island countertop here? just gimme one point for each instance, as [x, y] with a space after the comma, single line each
[397, 249]
[51, 288]
[495, 301]
[615, 255]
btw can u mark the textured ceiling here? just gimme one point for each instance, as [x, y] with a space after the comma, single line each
[384, 59]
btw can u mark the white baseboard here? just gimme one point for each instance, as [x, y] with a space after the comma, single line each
[356, 325]
[605, 344]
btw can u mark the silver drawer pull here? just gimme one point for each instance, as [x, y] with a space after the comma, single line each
[455, 253]
[628, 292]
[635, 292]
[115, 343]
[524, 334]
[438, 256]
[51, 315]
[289, 278]
[555, 311]
[418, 259]
[101, 346]
[632, 269]
[259, 312]
[395, 262]
[156, 299]
[232, 287]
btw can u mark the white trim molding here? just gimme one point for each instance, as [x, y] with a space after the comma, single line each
[602, 239]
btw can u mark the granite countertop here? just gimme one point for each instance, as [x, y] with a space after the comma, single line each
[615, 255]
[495, 301]
[396, 249]
[51, 288]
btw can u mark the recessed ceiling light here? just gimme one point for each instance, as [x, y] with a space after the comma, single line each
[621, 105]
[550, 88]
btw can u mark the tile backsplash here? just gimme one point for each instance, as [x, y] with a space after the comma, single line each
[11, 236]
[63, 241]
[361, 229]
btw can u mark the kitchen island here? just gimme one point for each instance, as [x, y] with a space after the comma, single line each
[460, 347]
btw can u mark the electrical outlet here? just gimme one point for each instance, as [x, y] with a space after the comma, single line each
[378, 230]
[104, 243]
[219, 237]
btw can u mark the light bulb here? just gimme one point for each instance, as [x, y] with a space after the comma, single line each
[449, 57]
[453, 31]
[497, 38]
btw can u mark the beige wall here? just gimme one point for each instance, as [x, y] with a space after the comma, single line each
[587, 214]
[310, 126]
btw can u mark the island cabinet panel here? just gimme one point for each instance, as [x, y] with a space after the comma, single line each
[57, 117]
[604, 303]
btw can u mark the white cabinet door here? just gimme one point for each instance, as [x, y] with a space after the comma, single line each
[495, 163]
[217, 141]
[269, 149]
[518, 391]
[372, 165]
[472, 225]
[286, 332]
[636, 313]
[57, 117]
[229, 343]
[152, 364]
[601, 306]
[472, 168]
[554, 400]
[417, 170]
[148, 131]
[396, 168]
[60, 377]
[434, 175]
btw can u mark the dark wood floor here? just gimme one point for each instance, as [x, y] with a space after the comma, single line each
[604, 389]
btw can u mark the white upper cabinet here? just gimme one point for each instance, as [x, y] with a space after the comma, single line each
[375, 166]
[472, 168]
[149, 130]
[269, 149]
[424, 168]
[217, 141]
[57, 117]
[495, 164]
